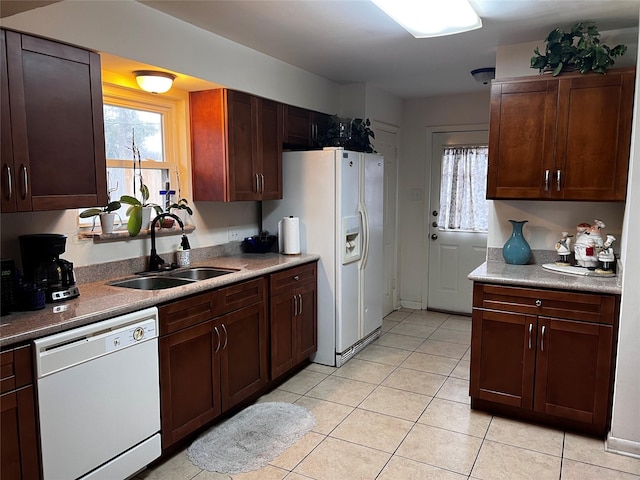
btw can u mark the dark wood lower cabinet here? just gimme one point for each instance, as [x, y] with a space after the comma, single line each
[19, 457]
[544, 368]
[189, 381]
[293, 318]
[210, 361]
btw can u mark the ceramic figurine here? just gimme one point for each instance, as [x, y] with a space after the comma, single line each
[588, 244]
[563, 247]
[606, 256]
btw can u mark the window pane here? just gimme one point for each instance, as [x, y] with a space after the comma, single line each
[463, 204]
[119, 125]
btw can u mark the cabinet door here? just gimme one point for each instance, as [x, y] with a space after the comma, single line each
[270, 150]
[18, 441]
[8, 186]
[307, 322]
[503, 349]
[189, 380]
[283, 334]
[242, 111]
[243, 353]
[58, 129]
[522, 139]
[573, 370]
[593, 137]
[297, 126]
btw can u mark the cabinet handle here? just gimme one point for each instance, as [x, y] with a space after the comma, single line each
[226, 337]
[295, 306]
[9, 181]
[558, 173]
[261, 183]
[538, 303]
[25, 182]
[300, 303]
[542, 339]
[546, 180]
[218, 335]
[257, 183]
[530, 334]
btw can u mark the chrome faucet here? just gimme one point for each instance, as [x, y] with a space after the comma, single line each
[155, 260]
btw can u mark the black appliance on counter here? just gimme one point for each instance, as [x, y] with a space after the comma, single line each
[8, 288]
[42, 265]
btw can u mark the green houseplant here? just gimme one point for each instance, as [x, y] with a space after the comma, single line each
[358, 138]
[134, 224]
[578, 49]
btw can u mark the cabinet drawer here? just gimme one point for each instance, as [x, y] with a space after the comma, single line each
[16, 368]
[190, 311]
[586, 307]
[241, 295]
[291, 278]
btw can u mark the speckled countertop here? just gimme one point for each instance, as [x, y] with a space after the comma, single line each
[98, 300]
[534, 275]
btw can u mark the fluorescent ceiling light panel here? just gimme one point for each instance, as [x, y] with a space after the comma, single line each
[431, 18]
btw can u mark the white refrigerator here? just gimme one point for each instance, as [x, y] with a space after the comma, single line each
[338, 197]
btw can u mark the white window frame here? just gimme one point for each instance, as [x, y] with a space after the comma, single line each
[171, 109]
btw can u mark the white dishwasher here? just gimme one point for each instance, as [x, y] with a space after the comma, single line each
[99, 398]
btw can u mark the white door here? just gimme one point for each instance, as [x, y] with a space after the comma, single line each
[453, 254]
[386, 145]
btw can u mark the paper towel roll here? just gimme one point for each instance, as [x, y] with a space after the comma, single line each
[291, 235]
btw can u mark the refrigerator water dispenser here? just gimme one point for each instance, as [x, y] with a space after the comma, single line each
[351, 239]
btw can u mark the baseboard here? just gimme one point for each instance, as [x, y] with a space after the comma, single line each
[622, 446]
[413, 305]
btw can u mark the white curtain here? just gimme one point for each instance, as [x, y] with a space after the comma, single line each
[463, 204]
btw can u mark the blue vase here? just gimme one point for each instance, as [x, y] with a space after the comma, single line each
[516, 251]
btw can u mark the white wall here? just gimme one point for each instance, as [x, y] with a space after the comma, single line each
[418, 115]
[625, 424]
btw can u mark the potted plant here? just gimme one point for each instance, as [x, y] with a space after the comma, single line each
[106, 215]
[578, 49]
[352, 134]
[139, 212]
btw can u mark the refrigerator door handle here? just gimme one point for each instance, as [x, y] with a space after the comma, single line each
[364, 232]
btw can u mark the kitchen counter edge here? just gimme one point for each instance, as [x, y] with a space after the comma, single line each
[535, 276]
[99, 301]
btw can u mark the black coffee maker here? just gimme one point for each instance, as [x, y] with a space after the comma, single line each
[42, 265]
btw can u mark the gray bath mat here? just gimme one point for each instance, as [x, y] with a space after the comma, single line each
[252, 438]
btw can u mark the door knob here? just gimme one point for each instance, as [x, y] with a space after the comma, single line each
[434, 236]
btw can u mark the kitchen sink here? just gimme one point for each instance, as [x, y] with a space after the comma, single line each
[152, 283]
[198, 273]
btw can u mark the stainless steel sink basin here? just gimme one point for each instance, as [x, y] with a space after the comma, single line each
[152, 283]
[199, 273]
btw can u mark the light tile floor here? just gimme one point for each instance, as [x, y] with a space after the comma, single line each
[399, 410]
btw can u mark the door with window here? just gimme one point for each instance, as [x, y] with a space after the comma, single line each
[457, 217]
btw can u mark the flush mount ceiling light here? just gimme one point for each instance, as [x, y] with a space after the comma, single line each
[424, 19]
[484, 75]
[154, 82]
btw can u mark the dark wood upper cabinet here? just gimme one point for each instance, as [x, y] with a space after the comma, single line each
[561, 138]
[53, 151]
[303, 128]
[236, 146]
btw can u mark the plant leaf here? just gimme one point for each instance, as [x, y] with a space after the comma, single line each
[129, 200]
[135, 220]
[90, 212]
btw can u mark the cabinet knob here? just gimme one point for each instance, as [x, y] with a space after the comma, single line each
[296, 278]
[538, 303]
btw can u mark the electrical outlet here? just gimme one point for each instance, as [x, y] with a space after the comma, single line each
[234, 234]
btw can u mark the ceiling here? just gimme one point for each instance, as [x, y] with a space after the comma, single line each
[353, 41]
